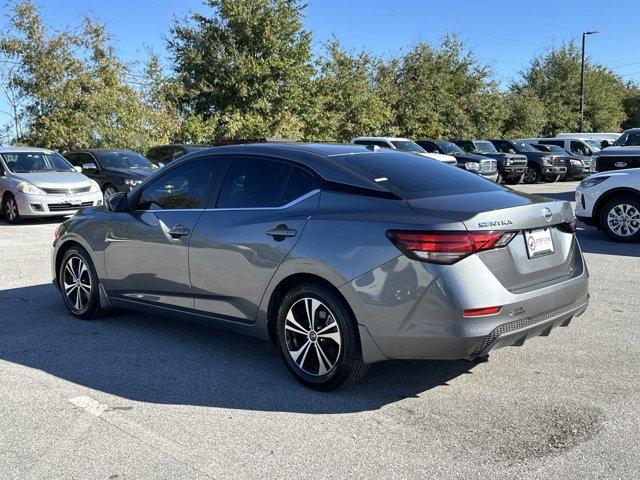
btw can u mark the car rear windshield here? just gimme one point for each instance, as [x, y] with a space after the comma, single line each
[408, 146]
[34, 162]
[411, 176]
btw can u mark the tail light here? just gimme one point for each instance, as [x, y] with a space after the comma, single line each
[446, 247]
[481, 312]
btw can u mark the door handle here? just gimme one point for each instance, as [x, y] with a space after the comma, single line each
[281, 232]
[178, 231]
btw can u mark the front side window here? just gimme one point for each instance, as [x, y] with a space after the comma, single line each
[579, 148]
[259, 183]
[34, 162]
[449, 147]
[185, 187]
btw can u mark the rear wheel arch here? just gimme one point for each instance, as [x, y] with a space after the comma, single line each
[284, 286]
[609, 195]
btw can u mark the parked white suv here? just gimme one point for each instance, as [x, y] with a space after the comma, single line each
[405, 145]
[610, 201]
[35, 182]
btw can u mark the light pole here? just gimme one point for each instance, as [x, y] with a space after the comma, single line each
[584, 36]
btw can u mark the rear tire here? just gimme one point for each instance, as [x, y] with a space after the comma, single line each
[78, 284]
[10, 209]
[323, 353]
[620, 219]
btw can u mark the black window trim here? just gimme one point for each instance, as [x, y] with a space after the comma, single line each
[213, 205]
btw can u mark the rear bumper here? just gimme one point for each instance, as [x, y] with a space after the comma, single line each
[413, 310]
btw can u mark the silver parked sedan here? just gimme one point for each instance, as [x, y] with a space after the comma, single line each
[340, 255]
[35, 182]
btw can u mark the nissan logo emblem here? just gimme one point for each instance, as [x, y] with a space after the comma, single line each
[620, 164]
[546, 213]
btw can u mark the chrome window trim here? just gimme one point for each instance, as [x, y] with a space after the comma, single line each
[282, 207]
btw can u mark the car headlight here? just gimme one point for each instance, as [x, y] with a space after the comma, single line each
[474, 166]
[29, 189]
[94, 187]
[590, 182]
[132, 182]
[547, 160]
[576, 163]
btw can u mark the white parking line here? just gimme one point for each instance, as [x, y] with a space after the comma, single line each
[90, 405]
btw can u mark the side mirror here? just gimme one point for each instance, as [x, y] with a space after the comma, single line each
[90, 167]
[511, 150]
[605, 144]
[78, 169]
[117, 202]
[160, 164]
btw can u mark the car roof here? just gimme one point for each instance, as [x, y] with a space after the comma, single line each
[320, 157]
[100, 150]
[391, 139]
[25, 150]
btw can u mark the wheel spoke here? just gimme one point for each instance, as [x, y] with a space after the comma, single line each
[335, 336]
[296, 354]
[69, 269]
[322, 369]
[291, 320]
[333, 324]
[69, 287]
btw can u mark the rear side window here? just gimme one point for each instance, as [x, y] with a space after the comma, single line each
[259, 183]
[559, 143]
[412, 176]
[185, 187]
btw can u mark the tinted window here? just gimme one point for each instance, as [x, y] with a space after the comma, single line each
[300, 182]
[124, 159]
[483, 146]
[465, 145]
[579, 148]
[378, 143]
[411, 176]
[187, 186]
[256, 182]
[559, 143]
[407, 146]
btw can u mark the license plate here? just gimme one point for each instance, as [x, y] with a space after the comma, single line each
[538, 242]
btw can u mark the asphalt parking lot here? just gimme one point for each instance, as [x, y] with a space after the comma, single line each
[134, 396]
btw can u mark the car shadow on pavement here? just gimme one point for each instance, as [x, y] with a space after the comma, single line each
[594, 241]
[566, 196]
[153, 359]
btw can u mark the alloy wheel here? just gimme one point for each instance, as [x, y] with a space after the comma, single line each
[312, 335]
[108, 192]
[530, 175]
[11, 209]
[76, 282]
[624, 220]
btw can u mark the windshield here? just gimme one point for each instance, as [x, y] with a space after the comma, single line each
[33, 162]
[594, 144]
[485, 147]
[524, 147]
[408, 146]
[449, 147]
[413, 176]
[124, 160]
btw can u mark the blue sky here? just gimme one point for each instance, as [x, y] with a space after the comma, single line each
[504, 34]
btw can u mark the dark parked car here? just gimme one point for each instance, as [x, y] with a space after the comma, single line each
[540, 165]
[625, 153]
[511, 167]
[576, 168]
[114, 170]
[165, 154]
[484, 166]
[341, 255]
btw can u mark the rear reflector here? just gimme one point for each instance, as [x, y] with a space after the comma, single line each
[446, 247]
[481, 312]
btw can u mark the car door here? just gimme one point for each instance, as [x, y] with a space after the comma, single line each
[239, 243]
[146, 248]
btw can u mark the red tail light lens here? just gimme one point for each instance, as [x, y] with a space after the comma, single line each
[446, 247]
[481, 312]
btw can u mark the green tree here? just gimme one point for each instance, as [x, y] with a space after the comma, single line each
[554, 78]
[73, 86]
[347, 102]
[443, 91]
[247, 65]
[525, 115]
[631, 105]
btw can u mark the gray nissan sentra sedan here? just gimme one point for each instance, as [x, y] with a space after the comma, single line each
[339, 254]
